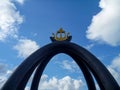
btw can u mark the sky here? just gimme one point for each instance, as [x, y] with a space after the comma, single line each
[26, 25]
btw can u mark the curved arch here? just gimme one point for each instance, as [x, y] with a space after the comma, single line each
[23, 72]
[41, 67]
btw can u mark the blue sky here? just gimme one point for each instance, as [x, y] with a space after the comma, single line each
[26, 25]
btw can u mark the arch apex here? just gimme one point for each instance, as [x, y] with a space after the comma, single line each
[61, 35]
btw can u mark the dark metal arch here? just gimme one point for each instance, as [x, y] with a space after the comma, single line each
[85, 70]
[23, 72]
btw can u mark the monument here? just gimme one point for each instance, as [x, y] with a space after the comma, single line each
[88, 63]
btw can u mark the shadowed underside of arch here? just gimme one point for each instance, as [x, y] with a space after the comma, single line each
[85, 60]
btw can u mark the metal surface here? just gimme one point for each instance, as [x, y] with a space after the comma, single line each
[85, 60]
[85, 70]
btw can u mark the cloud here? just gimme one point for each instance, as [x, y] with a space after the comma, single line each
[2, 80]
[65, 83]
[105, 26]
[116, 63]
[114, 68]
[2, 68]
[10, 18]
[89, 46]
[69, 65]
[20, 1]
[27, 88]
[25, 47]
[4, 73]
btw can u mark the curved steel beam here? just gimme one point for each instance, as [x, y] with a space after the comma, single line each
[102, 75]
[38, 73]
[41, 67]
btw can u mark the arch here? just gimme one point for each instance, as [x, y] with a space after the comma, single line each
[90, 64]
[41, 67]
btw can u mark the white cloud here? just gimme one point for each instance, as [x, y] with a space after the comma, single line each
[116, 63]
[10, 18]
[70, 66]
[25, 47]
[114, 68]
[89, 46]
[65, 83]
[20, 1]
[27, 88]
[4, 73]
[2, 68]
[105, 25]
[2, 80]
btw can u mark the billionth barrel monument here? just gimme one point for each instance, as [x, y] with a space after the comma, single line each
[88, 63]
